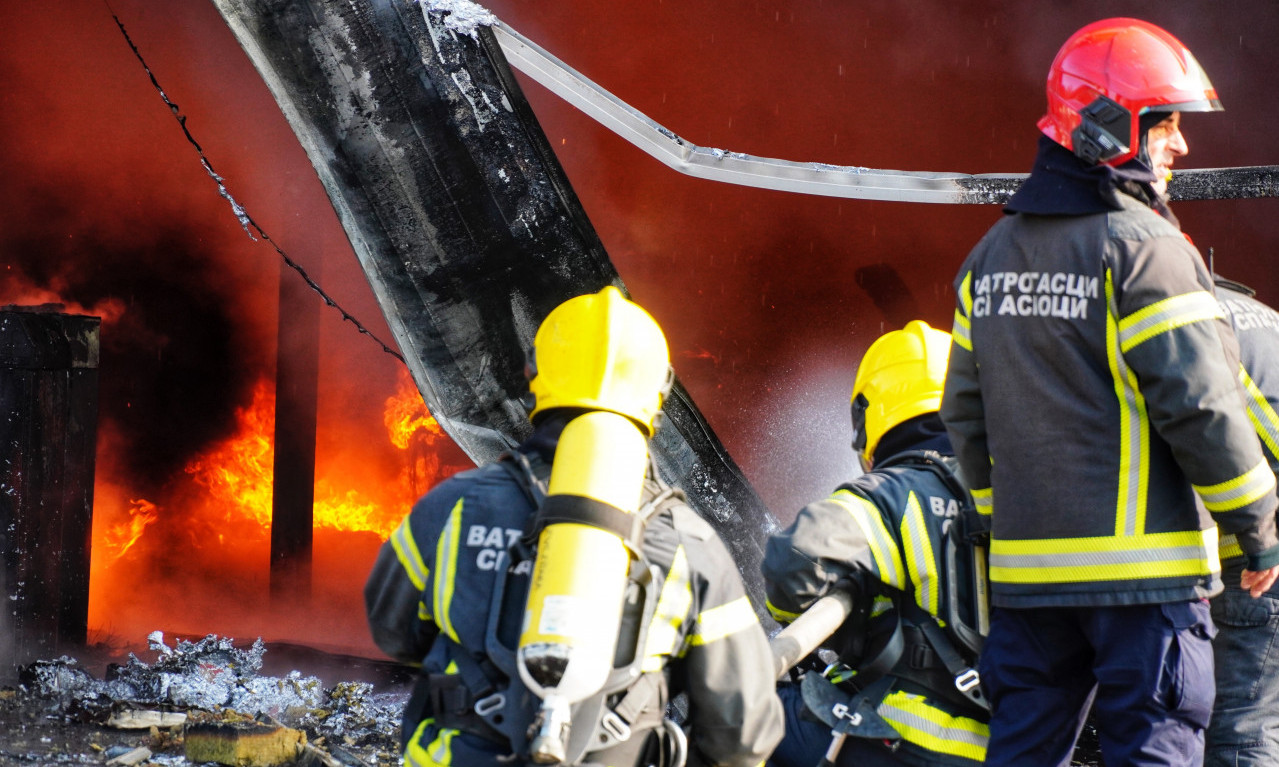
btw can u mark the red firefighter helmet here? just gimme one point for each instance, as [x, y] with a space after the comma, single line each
[1110, 73]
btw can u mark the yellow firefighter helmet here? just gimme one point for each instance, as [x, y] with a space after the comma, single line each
[600, 351]
[901, 376]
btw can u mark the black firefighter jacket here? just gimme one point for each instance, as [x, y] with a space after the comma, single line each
[884, 530]
[427, 599]
[1256, 326]
[1092, 393]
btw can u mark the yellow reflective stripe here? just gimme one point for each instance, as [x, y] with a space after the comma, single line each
[1134, 426]
[1230, 548]
[982, 500]
[446, 551]
[1085, 560]
[920, 557]
[888, 558]
[1240, 491]
[673, 605]
[1264, 418]
[962, 332]
[438, 753]
[410, 558]
[1168, 314]
[933, 729]
[780, 615]
[724, 621]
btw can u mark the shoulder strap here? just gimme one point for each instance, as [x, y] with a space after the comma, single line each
[517, 464]
[966, 679]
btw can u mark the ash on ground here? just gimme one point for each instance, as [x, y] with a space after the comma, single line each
[61, 713]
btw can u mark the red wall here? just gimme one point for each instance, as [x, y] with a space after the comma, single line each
[768, 298]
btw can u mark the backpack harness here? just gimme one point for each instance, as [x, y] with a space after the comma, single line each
[487, 698]
[907, 642]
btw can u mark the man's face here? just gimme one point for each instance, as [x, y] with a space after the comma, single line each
[1164, 143]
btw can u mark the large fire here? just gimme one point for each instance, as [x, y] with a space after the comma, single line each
[219, 514]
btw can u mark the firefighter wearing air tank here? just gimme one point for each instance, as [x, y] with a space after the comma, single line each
[899, 538]
[559, 597]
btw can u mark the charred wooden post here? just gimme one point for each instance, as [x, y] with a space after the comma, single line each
[48, 435]
[463, 220]
[293, 493]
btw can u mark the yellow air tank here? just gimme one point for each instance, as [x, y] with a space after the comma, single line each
[604, 356]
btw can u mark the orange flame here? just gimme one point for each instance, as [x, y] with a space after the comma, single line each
[120, 539]
[406, 415]
[238, 473]
[237, 482]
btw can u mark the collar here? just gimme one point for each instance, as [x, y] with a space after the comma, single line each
[1061, 184]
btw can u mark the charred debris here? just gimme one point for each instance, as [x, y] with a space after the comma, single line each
[204, 702]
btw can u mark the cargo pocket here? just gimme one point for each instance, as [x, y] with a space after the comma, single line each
[1239, 609]
[1188, 682]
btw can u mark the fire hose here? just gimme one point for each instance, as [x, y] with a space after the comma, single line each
[806, 633]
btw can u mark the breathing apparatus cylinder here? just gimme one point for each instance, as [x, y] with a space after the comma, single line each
[579, 578]
[605, 359]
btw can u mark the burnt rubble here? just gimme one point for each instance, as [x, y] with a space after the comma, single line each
[139, 712]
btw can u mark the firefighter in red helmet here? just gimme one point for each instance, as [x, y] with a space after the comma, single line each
[1092, 400]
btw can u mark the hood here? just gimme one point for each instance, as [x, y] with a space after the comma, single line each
[1061, 184]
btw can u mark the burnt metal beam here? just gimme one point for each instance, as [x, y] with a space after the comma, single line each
[297, 372]
[462, 219]
[48, 435]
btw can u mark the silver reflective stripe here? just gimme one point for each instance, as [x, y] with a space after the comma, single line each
[1096, 559]
[1168, 314]
[934, 729]
[961, 331]
[1263, 416]
[920, 557]
[884, 549]
[1240, 491]
[410, 558]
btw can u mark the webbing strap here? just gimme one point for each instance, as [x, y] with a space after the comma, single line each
[966, 679]
[558, 509]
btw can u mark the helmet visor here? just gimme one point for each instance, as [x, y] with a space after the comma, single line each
[860, 405]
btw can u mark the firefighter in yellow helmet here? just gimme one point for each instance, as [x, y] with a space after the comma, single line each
[557, 598]
[896, 537]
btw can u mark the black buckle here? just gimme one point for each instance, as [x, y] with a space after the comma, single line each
[922, 657]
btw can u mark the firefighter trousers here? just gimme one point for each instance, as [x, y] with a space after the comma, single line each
[1148, 670]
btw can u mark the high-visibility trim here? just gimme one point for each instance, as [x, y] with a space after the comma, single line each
[724, 621]
[1134, 427]
[780, 615]
[410, 558]
[933, 729]
[446, 551]
[1229, 548]
[437, 753]
[982, 498]
[883, 548]
[1242, 490]
[1103, 559]
[962, 331]
[1167, 315]
[673, 605]
[1264, 418]
[921, 560]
